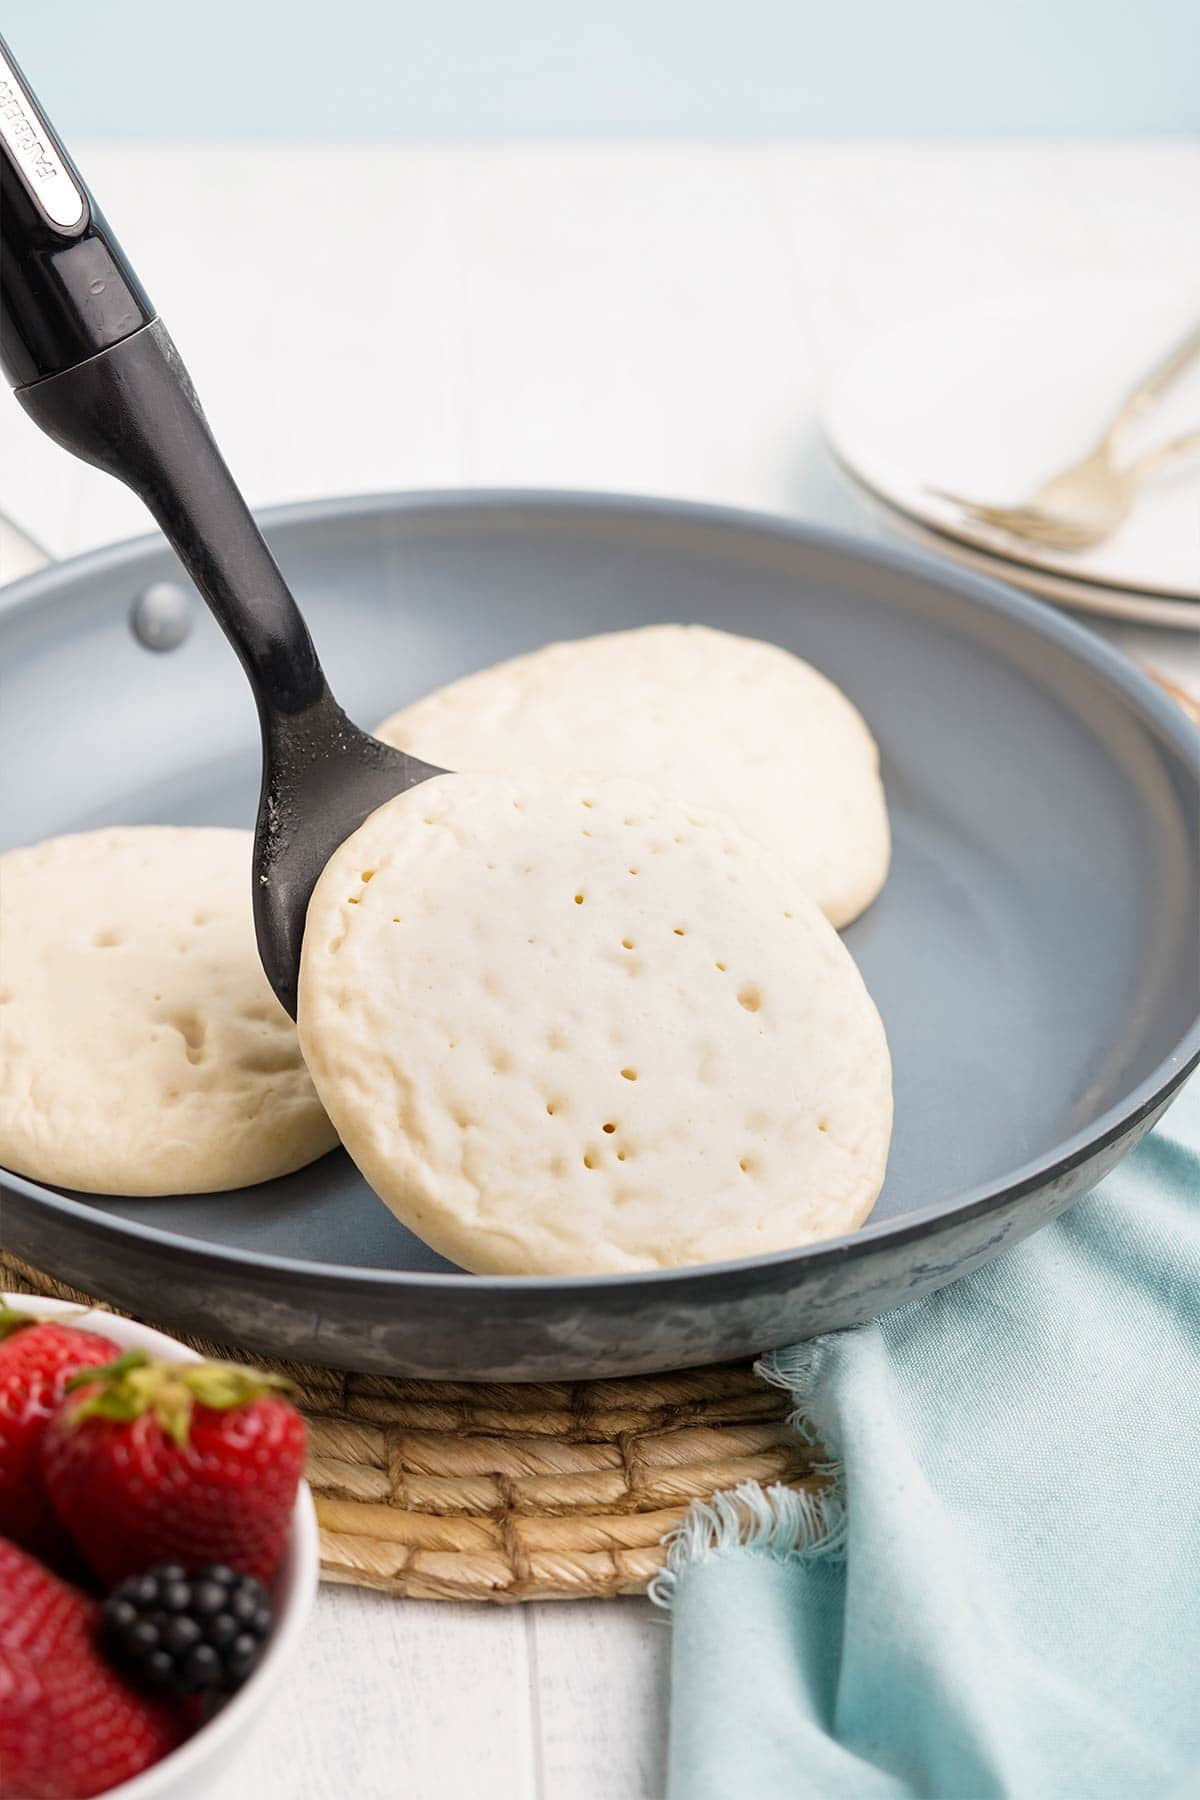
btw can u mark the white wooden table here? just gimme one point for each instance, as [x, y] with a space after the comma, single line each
[651, 320]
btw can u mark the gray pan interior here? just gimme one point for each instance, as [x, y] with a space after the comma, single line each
[1034, 954]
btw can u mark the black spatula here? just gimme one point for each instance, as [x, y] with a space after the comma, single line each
[95, 368]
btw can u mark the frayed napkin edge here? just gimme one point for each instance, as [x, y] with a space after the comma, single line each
[781, 1524]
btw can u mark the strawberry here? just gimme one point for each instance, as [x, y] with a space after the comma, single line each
[36, 1358]
[193, 1463]
[69, 1724]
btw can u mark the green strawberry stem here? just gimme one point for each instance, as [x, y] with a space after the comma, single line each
[134, 1384]
[13, 1319]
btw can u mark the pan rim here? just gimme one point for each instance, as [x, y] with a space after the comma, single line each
[1137, 690]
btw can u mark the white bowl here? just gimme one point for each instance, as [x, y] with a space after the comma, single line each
[194, 1769]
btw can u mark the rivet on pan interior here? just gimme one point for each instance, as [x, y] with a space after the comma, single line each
[161, 616]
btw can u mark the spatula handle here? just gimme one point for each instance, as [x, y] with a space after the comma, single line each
[97, 371]
[132, 412]
[66, 290]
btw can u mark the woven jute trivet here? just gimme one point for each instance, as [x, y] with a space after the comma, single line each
[556, 1491]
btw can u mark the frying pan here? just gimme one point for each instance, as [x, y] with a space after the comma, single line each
[1034, 954]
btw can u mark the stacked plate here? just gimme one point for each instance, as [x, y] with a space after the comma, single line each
[990, 398]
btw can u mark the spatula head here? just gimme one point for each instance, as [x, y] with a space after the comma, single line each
[321, 778]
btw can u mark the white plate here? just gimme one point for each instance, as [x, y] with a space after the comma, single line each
[193, 1771]
[1079, 596]
[989, 399]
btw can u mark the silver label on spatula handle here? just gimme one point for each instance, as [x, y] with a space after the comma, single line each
[35, 153]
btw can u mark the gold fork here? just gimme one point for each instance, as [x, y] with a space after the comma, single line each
[1084, 503]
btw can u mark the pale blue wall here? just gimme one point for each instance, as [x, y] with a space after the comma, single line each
[611, 68]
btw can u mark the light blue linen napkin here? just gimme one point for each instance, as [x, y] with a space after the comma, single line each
[1001, 1594]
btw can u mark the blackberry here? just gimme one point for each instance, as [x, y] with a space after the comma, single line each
[187, 1634]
